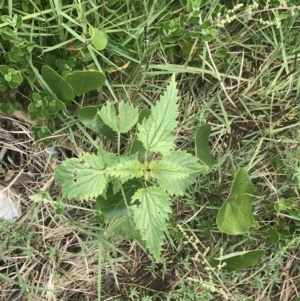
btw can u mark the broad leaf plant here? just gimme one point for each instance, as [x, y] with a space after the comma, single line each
[163, 172]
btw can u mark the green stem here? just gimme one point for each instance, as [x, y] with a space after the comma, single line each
[125, 200]
[119, 145]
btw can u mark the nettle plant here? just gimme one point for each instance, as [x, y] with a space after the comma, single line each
[135, 189]
[161, 171]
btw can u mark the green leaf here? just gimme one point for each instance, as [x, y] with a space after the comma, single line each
[25, 6]
[206, 38]
[293, 212]
[13, 57]
[235, 216]
[189, 6]
[238, 260]
[85, 81]
[124, 226]
[155, 132]
[99, 38]
[57, 84]
[7, 34]
[273, 236]
[106, 158]
[176, 171]
[128, 168]
[213, 32]
[137, 145]
[283, 204]
[83, 177]
[5, 18]
[124, 121]
[19, 22]
[196, 4]
[113, 205]
[206, 24]
[8, 77]
[41, 132]
[90, 118]
[150, 217]
[145, 113]
[202, 146]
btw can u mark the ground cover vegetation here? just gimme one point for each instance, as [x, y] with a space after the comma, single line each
[153, 147]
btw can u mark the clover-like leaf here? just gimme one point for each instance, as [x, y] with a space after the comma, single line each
[150, 217]
[121, 122]
[236, 216]
[82, 177]
[155, 132]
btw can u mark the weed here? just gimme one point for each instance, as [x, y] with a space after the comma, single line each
[70, 70]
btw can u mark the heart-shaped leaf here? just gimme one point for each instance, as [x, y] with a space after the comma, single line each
[202, 146]
[57, 84]
[235, 216]
[99, 38]
[238, 260]
[85, 81]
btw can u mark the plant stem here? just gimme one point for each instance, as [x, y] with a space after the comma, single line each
[119, 145]
[125, 200]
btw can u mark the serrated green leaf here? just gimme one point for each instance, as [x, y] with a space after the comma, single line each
[176, 171]
[124, 121]
[150, 217]
[106, 158]
[82, 177]
[155, 132]
[236, 216]
[238, 260]
[128, 168]
[137, 145]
